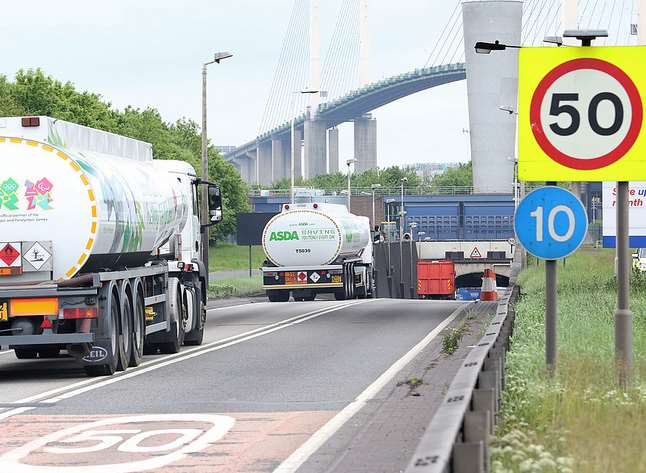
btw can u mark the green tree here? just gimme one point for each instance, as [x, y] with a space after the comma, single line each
[461, 176]
[34, 93]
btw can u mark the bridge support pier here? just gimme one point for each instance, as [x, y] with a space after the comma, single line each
[298, 155]
[264, 163]
[315, 162]
[333, 150]
[279, 158]
[365, 143]
[249, 168]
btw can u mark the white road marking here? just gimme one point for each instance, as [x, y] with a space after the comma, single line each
[316, 441]
[8, 352]
[193, 442]
[90, 385]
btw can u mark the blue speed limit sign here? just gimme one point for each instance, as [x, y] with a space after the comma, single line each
[551, 223]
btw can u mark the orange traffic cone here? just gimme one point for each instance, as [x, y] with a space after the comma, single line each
[489, 291]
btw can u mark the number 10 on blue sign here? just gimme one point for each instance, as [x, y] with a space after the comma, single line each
[551, 223]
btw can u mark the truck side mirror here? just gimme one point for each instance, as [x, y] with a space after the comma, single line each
[215, 204]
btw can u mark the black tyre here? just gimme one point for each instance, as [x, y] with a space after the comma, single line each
[278, 295]
[310, 297]
[138, 331]
[25, 353]
[196, 336]
[125, 333]
[112, 359]
[175, 338]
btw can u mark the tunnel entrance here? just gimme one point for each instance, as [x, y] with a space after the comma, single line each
[475, 280]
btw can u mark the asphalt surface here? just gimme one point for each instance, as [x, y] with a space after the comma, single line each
[266, 380]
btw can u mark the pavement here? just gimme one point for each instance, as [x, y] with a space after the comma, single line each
[310, 386]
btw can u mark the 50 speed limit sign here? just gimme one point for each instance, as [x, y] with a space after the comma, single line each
[581, 114]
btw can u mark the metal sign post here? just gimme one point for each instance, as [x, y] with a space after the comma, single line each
[623, 315]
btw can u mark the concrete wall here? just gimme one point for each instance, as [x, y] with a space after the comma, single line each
[365, 143]
[278, 158]
[492, 82]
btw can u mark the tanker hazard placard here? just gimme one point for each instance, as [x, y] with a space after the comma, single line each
[581, 114]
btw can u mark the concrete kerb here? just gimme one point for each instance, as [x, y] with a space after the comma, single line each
[454, 441]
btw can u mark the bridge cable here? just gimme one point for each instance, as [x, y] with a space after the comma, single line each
[530, 11]
[446, 25]
[449, 38]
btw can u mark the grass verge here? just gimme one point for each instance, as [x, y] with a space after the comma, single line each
[223, 257]
[578, 421]
[235, 287]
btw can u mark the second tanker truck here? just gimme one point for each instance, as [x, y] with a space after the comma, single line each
[99, 246]
[317, 248]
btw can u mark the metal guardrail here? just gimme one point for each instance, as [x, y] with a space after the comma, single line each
[457, 439]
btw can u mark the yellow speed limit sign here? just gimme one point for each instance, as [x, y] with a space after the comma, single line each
[580, 114]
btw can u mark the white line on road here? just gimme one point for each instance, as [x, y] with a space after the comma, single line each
[316, 441]
[7, 352]
[89, 385]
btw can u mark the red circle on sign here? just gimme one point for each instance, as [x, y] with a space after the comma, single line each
[606, 159]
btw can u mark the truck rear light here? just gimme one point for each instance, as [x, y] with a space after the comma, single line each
[33, 307]
[30, 121]
[286, 206]
[47, 324]
[316, 206]
[80, 313]
[10, 271]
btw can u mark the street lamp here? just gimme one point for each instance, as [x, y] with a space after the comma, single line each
[374, 187]
[293, 133]
[420, 235]
[349, 162]
[401, 210]
[217, 58]
[486, 48]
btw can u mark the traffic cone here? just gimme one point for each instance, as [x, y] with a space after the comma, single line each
[489, 291]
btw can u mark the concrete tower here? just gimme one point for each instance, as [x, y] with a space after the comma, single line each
[492, 82]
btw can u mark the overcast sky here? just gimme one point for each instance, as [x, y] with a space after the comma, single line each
[148, 53]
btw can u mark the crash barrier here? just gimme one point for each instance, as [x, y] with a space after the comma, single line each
[396, 269]
[457, 439]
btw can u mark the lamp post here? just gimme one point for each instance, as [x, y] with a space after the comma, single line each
[293, 133]
[374, 187]
[350, 162]
[412, 225]
[217, 58]
[401, 210]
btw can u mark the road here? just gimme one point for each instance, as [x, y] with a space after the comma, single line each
[274, 387]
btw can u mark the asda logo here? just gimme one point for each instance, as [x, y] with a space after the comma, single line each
[283, 236]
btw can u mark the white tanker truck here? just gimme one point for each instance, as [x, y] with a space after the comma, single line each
[317, 248]
[99, 246]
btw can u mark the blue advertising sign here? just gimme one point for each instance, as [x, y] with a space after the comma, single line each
[551, 223]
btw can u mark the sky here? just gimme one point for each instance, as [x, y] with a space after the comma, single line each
[149, 53]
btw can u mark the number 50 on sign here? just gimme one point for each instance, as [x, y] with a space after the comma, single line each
[581, 113]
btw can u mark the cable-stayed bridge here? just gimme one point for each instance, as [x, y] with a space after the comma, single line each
[307, 121]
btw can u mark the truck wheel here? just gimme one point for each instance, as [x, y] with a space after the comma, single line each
[176, 334]
[279, 295]
[310, 297]
[196, 336]
[25, 353]
[138, 330]
[125, 334]
[112, 359]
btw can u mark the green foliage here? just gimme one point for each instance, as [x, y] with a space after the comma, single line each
[223, 257]
[235, 287]
[571, 421]
[34, 93]
[388, 178]
[461, 176]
